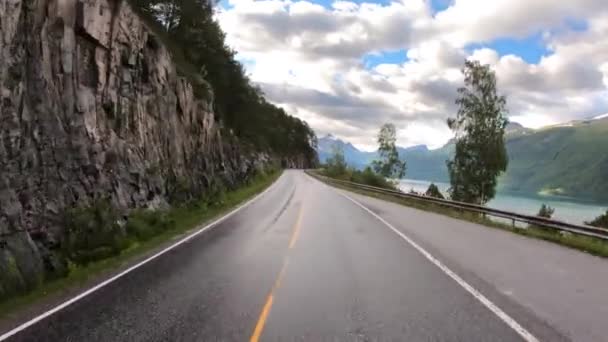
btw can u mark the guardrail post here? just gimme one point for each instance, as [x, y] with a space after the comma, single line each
[513, 222]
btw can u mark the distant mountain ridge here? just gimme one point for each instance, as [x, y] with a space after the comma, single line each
[567, 160]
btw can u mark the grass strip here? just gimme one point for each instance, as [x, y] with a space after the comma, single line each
[587, 244]
[186, 219]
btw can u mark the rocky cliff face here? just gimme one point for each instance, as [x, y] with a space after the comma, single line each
[91, 106]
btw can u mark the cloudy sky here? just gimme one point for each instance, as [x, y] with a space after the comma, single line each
[347, 67]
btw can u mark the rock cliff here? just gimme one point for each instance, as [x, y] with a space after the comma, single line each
[91, 106]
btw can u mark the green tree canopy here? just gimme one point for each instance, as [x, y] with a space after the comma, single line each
[433, 191]
[545, 211]
[389, 165]
[479, 128]
[198, 46]
[336, 164]
[600, 221]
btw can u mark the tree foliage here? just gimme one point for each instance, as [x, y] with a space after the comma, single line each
[198, 45]
[336, 164]
[545, 211]
[336, 167]
[600, 221]
[389, 165]
[433, 191]
[479, 128]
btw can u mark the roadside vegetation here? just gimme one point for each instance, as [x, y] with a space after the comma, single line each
[545, 211]
[588, 244]
[479, 129]
[433, 191]
[188, 29]
[480, 157]
[600, 221]
[383, 173]
[99, 240]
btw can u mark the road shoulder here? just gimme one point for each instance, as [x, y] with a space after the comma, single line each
[529, 277]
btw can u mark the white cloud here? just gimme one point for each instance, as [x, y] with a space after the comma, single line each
[309, 59]
[469, 21]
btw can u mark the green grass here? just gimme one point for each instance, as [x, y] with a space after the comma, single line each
[588, 244]
[185, 220]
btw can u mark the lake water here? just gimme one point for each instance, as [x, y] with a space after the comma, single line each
[567, 210]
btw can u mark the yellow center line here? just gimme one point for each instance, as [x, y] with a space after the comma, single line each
[296, 229]
[262, 320]
[259, 327]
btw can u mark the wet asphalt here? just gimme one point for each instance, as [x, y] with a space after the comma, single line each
[301, 263]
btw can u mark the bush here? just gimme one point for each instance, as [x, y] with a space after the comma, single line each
[371, 178]
[179, 191]
[545, 211]
[433, 191]
[93, 233]
[336, 166]
[144, 224]
[600, 221]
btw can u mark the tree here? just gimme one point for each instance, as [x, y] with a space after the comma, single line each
[187, 28]
[389, 165]
[545, 211]
[600, 221]
[479, 128]
[433, 191]
[336, 164]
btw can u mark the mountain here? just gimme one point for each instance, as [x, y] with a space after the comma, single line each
[353, 156]
[515, 129]
[567, 160]
[426, 164]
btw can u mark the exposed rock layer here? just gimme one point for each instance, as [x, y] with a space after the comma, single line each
[91, 106]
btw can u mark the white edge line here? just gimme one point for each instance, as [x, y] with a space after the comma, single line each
[512, 323]
[130, 269]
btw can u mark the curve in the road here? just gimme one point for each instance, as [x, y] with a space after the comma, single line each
[73, 300]
[304, 261]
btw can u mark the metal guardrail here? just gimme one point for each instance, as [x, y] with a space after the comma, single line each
[600, 233]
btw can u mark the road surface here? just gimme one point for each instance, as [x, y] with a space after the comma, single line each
[303, 262]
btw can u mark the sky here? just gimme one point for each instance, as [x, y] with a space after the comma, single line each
[347, 67]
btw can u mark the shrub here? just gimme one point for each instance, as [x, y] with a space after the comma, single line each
[93, 233]
[545, 211]
[371, 178]
[433, 191]
[143, 224]
[180, 190]
[600, 221]
[336, 166]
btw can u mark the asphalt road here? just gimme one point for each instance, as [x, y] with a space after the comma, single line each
[303, 262]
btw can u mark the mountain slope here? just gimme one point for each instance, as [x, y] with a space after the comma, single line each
[568, 160]
[354, 157]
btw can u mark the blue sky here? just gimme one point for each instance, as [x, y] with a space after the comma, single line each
[385, 57]
[550, 58]
[530, 49]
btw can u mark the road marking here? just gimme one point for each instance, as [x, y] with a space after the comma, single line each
[132, 268]
[259, 327]
[296, 228]
[525, 334]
